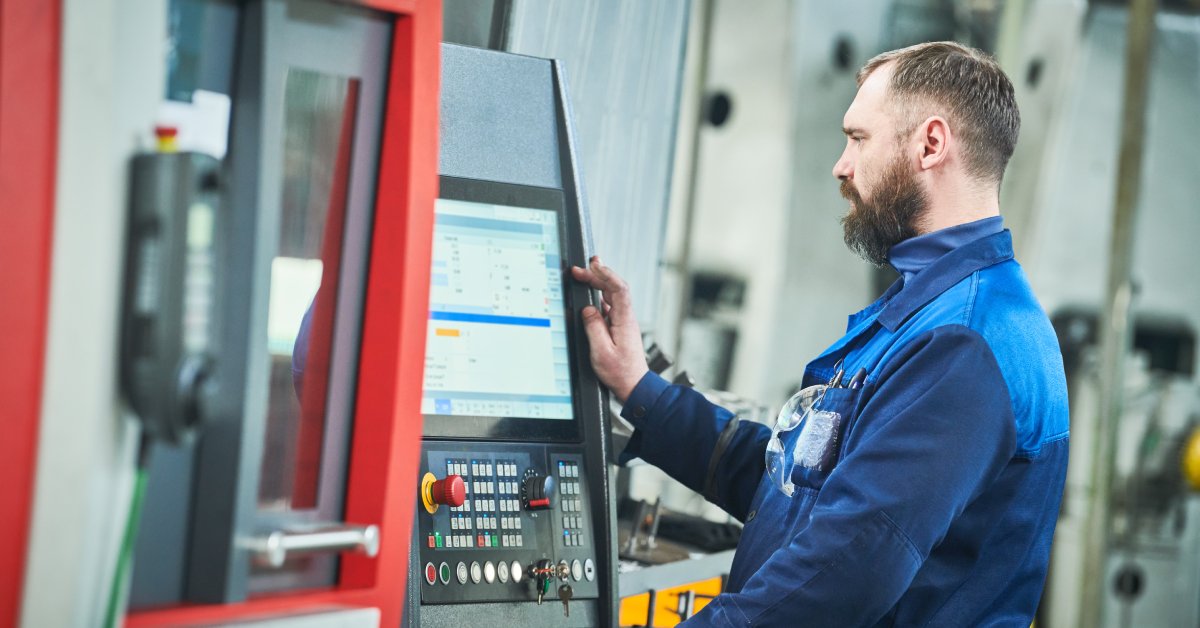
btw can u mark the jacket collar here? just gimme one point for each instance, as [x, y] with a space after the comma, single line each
[941, 275]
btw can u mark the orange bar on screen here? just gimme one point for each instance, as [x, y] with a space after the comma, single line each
[452, 333]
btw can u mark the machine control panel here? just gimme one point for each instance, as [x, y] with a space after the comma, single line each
[521, 532]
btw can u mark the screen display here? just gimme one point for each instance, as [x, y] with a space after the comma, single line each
[496, 343]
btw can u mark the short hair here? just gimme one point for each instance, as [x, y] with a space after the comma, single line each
[964, 85]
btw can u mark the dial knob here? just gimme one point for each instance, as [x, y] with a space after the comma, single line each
[537, 490]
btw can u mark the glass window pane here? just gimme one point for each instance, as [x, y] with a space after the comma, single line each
[319, 112]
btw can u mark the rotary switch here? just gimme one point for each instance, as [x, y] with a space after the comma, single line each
[537, 490]
[451, 491]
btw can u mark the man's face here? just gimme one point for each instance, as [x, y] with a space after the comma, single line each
[878, 174]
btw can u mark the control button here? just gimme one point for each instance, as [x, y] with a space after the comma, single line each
[518, 571]
[589, 570]
[577, 570]
[450, 491]
[489, 572]
[430, 573]
[476, 572]
[444, 573]
[502, 571]
[461, 572]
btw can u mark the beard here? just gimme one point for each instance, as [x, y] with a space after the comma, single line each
[897, 206]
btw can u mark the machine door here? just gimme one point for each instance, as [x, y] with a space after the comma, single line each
[296, 494]
[307, 115]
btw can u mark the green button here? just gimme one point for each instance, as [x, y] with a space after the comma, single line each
[437, 538]
[495, 541]
[444, 572]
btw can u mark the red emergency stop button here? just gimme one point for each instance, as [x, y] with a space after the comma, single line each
[430, 573]
[451, 491]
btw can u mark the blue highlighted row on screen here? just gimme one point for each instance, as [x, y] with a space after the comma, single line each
[489, 224]
[494, 319]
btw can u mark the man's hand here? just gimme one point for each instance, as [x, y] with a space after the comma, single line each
[616, 342]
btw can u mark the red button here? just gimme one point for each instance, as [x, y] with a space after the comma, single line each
[432, 543]
[480, 540]
[430, 573]
[451, 491]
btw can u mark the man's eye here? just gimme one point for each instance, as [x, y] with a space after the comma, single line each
[857, 139]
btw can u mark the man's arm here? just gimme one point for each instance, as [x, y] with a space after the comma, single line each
[693, 440]
[686, 429]
[937, 430]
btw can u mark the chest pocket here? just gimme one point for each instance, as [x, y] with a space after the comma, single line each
[817, 443]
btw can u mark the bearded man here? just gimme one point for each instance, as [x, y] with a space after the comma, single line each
[916, 478]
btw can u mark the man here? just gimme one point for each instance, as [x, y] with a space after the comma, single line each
[918, 480]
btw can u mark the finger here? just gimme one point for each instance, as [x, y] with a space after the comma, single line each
[616, 294]
[586, 276]
[597, 331]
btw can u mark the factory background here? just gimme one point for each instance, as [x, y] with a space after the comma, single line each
[704, 131]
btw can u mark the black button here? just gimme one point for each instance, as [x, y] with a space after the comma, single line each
[639, 412]
[750, 517]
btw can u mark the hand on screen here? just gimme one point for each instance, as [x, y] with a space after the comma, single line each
[616, 342]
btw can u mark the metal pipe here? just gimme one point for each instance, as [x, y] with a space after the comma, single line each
[1116, 324]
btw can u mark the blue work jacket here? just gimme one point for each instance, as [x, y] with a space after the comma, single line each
[939, 506]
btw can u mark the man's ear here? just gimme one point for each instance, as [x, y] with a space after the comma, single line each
[935, 138]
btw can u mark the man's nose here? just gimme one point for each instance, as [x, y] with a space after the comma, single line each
[842, 169]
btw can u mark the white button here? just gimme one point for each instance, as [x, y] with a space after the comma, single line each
[502, 571]
[589, 570]
[476, 572]
[461, 572]
[520, 540]
[577, 570]
[518, 572]
[474, 468]
[489, 572]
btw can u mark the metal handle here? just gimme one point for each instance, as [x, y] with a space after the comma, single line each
[275, 548]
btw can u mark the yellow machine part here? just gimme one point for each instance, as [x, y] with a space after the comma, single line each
[635, 608]
[427, 493]
[1190, 461]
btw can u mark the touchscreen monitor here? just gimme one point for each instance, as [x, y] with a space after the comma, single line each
[497, 340]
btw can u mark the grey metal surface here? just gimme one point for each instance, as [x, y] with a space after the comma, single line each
[584, 614]
[625, 61]
[497, 119]
[675, 574]
[160, 552]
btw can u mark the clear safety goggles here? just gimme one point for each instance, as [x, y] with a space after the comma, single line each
[816, 446]
[781, 459]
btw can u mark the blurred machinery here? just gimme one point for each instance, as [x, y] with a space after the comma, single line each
[1152, 578]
